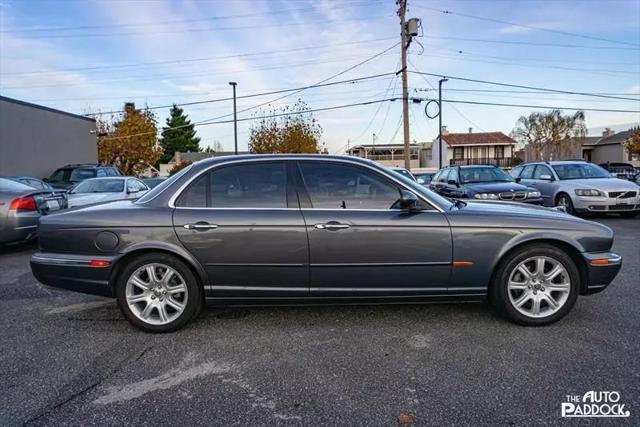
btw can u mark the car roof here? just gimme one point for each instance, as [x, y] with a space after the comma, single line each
[102, 178]
[248, 157]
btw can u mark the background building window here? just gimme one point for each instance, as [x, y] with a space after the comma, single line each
[458, 153]
[499, 151]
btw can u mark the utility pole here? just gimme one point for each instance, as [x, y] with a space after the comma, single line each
[404, 45]
[374, 139]
[235, 119]
[442, 80]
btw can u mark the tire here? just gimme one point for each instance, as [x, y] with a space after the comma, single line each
[563, 199]
[165, 304]
[629, 214]
[562, 289]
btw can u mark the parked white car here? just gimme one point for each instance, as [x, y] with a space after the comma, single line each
[101, 190]
[580, 187]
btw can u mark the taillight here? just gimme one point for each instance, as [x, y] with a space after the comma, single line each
[24, 204]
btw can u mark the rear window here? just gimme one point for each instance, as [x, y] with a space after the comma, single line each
[100, 186]
[70, 174]
[13, 186]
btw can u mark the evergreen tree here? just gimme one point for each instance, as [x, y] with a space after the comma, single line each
[181, 139]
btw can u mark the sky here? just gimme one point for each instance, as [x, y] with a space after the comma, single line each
[89, 56]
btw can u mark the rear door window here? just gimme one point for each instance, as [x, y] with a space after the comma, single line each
[258, 185]
[527, 172]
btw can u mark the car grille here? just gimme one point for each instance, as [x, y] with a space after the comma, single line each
[513, 195]
[622, 194]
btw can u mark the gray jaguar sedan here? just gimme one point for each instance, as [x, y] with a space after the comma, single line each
[318, 229]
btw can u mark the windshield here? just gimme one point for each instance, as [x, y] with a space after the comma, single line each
[12, 186]
[160, 187]
[580, 171]
[69, 174]
[404, 173]
[484, 174]
[424, 191]
[99, 186]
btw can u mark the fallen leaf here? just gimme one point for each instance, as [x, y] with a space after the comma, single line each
[406, 419]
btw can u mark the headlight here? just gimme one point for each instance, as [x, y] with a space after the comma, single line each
[486, 196]
[533, 195]
[589, 193]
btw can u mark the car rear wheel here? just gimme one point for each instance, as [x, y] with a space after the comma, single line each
[536, 285]
[565, 201]
[158, 293]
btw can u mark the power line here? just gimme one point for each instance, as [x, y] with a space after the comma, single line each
[254, 95]
[526, 43]
[179, 21]
[209, 29]
[547, 107]
[615, 73]
[452, 106]
[371, 58]
[145, 77]
[531, 27]
[189, 60]
[568, 92]
[243, 119]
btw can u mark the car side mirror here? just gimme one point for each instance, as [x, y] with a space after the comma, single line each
[453, 182]
[518, 179]
[546, 177]
[408, 201]
[132, 191]
[45, 179]
[420, 181]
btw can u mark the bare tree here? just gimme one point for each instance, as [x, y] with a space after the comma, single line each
[551, 134]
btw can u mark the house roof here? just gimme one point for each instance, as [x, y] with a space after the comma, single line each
[478, 138]
[589, 140]
[616, 138]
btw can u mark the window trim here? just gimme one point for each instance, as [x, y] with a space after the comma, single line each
[182, 187]
[288, 199]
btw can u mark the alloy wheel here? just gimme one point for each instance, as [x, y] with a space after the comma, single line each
[539, 286]
[156, 294]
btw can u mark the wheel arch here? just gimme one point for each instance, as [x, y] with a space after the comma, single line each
[572, 249]
[158, 247]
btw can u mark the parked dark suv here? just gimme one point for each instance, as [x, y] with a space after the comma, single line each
[70, 175]
[482, 183]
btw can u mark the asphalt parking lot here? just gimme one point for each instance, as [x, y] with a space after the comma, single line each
[71, 359]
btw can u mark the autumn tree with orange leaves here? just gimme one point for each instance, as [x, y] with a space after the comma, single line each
[632, 144]
[129, 140]
[289, 129]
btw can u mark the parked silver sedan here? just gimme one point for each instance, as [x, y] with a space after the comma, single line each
[580, 187]
[21, 206]
[100, 190]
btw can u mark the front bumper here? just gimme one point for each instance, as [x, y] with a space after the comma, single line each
[537, 201]
[605, 204]
[602, 268]
[73, 272]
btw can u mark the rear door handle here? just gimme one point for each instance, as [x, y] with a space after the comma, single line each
[332, 226]
[200, 226]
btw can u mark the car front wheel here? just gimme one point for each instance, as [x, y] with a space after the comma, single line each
[565, 201]
[536, 285]
[158, 293]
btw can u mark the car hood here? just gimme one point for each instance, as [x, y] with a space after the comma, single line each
[495, 187]
[516, 209]
[605, 184]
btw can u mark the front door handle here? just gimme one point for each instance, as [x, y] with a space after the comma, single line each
[200, 226]
[332, 226]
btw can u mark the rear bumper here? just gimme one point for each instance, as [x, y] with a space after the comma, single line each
[17, 228]
[73, 272]
[602, 268]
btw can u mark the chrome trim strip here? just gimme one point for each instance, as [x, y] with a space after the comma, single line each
[388, 290]
[383, 264]
[243, 264]
[389, 175]
[302, 289]
[59, 261]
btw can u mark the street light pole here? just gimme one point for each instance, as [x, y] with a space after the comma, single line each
[442, 80]
[235, 119]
